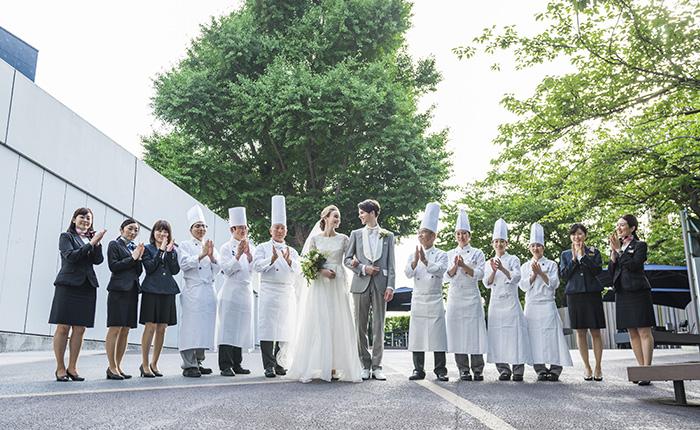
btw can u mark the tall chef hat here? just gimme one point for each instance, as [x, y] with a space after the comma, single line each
[279, 211]
[236, 216]
[500, 230]
[195, 215]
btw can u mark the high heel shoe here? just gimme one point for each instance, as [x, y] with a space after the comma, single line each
[155, 372]
[144, 374]
[75, 377]
[114, 376]
[63, 378]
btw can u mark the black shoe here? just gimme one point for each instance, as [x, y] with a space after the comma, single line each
[192, 372]
[63, 378]
[542, 377]
[442, 377]
[644, 383]
[518, 378]
[144, 374]
[600, 378]
[270, 373]
[241, 371]
[205, 370]
[125, 375]
[228, 372]
[465, 375]
[416, 375]
[158, 374]
[75, 377]
[504, 377]
[112, 376]
[552, 377]
[478, 377]
[280, 371]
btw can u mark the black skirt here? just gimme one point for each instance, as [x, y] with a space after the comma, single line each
[74, 305]
[586, 310]
[158, 309]
[634, 309]
[122, 307]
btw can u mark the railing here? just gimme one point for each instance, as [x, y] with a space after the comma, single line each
[396, 339]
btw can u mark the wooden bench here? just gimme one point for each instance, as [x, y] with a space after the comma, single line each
[677, 373]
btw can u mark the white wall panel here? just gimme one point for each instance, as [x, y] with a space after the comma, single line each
[47, 132]
[157, 198]
[44, 268]
[15, 278]
[6, 76]
[8, 177]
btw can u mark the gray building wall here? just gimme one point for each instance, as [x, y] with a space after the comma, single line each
[52, 162]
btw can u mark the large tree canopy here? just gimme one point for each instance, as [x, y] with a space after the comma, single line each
[618, 134]
[316, 100]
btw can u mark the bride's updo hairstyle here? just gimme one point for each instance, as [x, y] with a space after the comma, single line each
[325, 213]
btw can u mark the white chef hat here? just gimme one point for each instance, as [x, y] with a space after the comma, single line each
[500, 230]
[195, 215]
[537, 234]
[279, 211]
[431, 216]
[236, 216]
[463, 221]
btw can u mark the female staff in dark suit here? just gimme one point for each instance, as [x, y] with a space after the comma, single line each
[158, 299]
[578, 267]
[634, 309]
[124, 259]
[73, 307]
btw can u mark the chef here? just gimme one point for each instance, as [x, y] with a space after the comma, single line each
[508, 340]
[235, 330]
[466, 325]
[540, 278]
[427, 330]
[199, 262]
[278, 265]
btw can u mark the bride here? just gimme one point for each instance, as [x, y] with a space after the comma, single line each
[325, 345]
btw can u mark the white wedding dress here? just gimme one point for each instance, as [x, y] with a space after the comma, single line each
[325, 345]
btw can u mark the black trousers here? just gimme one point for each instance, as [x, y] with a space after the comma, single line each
[269, 350]
[230, 356]
[440, 362]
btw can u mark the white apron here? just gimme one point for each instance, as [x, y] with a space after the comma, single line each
[464, 318]
[544, 324]
[277, 298]
[508, 338]
[235, 316]
[427, 331]
[198, 297]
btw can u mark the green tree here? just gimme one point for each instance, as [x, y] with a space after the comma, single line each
[316, 100]
[618, 134]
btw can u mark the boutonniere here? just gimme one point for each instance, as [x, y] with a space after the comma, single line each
[383, 233]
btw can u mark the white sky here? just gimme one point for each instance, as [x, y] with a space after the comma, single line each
[99, 59]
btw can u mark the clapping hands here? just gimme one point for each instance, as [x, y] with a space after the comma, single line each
[137, 253]
[97, 237]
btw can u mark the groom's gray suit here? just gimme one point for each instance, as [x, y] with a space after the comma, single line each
[368, 292]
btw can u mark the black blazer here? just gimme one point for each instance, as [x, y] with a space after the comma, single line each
[580, 276]
[628, 271]
[77, 260]
[125, 270]
[160, 268]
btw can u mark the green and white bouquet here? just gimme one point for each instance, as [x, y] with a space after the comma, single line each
[311, 264]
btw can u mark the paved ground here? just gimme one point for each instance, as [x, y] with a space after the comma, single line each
[29, 398]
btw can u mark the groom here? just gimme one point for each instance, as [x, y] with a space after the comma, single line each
[370, 256]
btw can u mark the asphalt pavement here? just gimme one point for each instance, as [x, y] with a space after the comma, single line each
[31, 399]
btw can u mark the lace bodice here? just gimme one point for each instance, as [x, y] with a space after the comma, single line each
[333, 247]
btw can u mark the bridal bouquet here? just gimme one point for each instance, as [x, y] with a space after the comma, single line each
[311, 264]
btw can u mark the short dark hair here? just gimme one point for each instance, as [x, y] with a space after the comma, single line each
[576, 227]
[370, 205]
[126, 222]
[632, 222]
[160, 225]
[81, 211]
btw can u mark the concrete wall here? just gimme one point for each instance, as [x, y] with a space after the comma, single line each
[52, 162]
